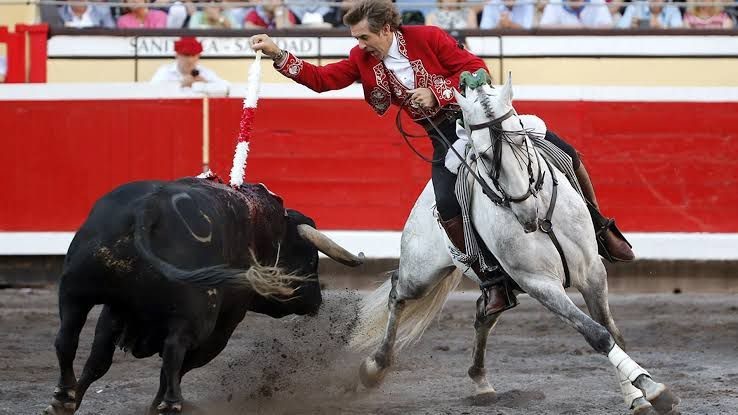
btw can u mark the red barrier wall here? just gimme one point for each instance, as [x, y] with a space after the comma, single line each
[656, 166]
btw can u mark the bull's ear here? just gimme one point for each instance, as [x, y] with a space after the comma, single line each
[462, 101]
[506, 93]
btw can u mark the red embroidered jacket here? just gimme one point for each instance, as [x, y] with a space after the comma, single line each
[435, 57]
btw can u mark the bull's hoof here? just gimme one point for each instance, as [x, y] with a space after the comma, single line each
[63, 402]
[55, 409]
[169, 408]
[370, 373]
[664, 401]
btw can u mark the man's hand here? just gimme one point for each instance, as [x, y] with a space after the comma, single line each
[265, 44]
[188, 80]
[423, 97]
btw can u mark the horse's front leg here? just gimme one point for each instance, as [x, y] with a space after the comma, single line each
[482, 325]
[550, 293]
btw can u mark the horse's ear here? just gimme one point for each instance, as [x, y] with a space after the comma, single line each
[462, 101]
[506, 93]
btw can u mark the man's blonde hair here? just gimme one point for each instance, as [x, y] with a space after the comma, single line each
[377, 13]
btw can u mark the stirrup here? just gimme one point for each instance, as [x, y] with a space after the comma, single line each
[503, 288]
[602, 224]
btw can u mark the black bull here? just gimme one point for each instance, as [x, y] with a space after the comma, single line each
[176, 266]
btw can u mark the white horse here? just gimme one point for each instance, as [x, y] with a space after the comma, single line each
[427, 272]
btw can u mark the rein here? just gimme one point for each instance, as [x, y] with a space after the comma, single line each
[494, 197]
[497, 134]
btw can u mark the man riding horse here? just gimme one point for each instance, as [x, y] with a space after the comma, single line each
[420, 65]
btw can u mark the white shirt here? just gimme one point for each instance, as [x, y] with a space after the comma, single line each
[213, 85]
[594, 14]
[81, 21]
[399, 65]
[522, 13]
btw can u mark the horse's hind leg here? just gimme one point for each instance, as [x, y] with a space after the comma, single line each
[374, 368]
[482, 325]
[551, 294]
[73, 313]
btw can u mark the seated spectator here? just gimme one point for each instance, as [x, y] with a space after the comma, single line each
[508, 14]
[574, 14]
[86, 15]
[540, 5]
[212, 16]
[616, 9]
[270, 14]
[336, 18]
[178, 14]
[186, 69]
[141, 17]
[315, 12]
[3, 68]
[651, 14]
[237, 14]
[450, 16]
[707, 16]
[410, 6]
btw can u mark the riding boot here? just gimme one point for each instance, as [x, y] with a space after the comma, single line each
[616, 247]
[493, 288]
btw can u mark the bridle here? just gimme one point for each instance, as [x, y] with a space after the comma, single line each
[498, 136]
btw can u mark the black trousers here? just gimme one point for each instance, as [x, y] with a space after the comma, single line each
[444, 181]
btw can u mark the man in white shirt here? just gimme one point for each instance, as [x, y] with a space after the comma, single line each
[508, 14]
[187, 71]
[587, 13]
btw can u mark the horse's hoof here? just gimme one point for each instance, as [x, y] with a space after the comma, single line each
[484, 390]
[664, 401]
[644, 408]
[370, 374]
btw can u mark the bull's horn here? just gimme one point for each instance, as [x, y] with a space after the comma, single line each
[328, 247]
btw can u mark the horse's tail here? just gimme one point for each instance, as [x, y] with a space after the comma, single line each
[415, 318]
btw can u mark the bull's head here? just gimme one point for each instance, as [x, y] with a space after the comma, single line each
[299, 257]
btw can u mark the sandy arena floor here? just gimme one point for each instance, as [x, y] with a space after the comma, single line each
[298, 365]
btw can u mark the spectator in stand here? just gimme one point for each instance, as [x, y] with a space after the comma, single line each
[86, 15]
[270, 14]
[187, 71]
[310, 11]
[3, 68]
[450, 16]
[178, 13]
[336, 19]
[237, 14]
[707, 16]
[577, 13]
[652, 14]
[411, 7]
[141, 17]
[616, 10]
[212, 16]
[508, 14]
[540, 5]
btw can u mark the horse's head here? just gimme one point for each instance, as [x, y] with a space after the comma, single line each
[506, 156]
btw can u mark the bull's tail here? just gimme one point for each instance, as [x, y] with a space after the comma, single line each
[265, 280]
[414, 320]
